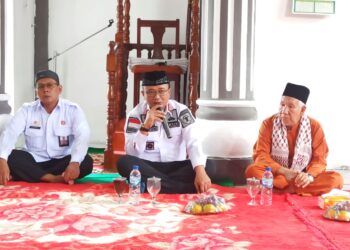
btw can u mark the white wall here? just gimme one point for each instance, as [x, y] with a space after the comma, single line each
[311, 50]
[82, 70]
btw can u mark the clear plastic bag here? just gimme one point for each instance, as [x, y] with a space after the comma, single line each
[340, 211]
[206, 204]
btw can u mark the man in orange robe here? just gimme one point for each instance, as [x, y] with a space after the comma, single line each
[294, 146]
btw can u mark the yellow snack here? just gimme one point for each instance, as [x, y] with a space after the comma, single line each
[196, 209]
[206, 204]
[209, 208]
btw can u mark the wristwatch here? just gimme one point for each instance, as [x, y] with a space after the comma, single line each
[311, 178]
[143, 128]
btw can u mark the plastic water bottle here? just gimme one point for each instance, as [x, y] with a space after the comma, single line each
[135, 185]
[266, 187]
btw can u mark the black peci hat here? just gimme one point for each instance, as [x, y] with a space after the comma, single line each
[154, 78]
[299, 92]
[47, 74]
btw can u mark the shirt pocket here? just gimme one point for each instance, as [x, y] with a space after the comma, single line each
[34, 139]
[176, 135]
[174, 146]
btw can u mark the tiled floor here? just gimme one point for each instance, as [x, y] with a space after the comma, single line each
[345, 171]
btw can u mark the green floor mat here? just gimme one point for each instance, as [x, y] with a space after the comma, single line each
[96, 150]
[224, 182]
[99, 178]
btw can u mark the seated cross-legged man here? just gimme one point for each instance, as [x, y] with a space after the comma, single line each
[294, 146]
[56, 137]
[148, 146]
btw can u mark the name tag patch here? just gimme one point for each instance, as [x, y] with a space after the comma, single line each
[63, 141]
[35, 127]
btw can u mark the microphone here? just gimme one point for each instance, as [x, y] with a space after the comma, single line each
[165, 125]
[111, 21]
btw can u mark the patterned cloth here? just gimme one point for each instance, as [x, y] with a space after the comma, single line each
[302, 151]
[37, 216]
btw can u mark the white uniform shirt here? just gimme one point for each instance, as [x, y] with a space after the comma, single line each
[65, 131]
[156, 146]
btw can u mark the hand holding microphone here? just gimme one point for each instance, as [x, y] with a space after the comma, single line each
[166, 125]
[157, 114]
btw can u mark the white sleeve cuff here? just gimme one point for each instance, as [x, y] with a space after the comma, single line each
[198, 160]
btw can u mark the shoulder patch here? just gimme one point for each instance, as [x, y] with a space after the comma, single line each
[134, 125]
[186, 118]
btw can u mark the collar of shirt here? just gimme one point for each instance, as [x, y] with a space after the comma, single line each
[39, 105]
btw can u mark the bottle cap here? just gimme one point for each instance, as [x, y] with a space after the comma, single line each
[268, 169]
[135, 167]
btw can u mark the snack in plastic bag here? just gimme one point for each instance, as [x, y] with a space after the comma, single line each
[210, 204]
[340, 211]
[333, 197]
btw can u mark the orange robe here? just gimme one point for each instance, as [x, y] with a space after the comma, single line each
[324, 180]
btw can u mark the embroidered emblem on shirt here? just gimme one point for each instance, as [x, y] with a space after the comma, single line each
[173, 120]
[150, 145]
[186, 118]
[134, 125]
[63, 141]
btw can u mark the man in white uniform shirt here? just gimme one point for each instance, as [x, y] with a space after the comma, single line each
[148, 145]
[56, 138]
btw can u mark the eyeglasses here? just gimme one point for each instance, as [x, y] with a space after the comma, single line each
[153, 93]
[49, 85]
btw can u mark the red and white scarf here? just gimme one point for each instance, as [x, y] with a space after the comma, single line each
[302, 151]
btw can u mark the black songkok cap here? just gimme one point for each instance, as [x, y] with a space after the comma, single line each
[154, 78]
[299, 92]
[47, 74]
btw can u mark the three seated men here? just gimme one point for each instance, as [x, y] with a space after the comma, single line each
[161, 140]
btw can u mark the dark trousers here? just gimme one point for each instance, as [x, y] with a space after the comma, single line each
[23, 166]
[177, 176]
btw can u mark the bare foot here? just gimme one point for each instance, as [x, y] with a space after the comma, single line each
[53, 178]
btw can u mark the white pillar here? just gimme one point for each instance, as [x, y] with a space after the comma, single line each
[227, 109]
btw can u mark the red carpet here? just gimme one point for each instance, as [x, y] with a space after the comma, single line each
[87, 216]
